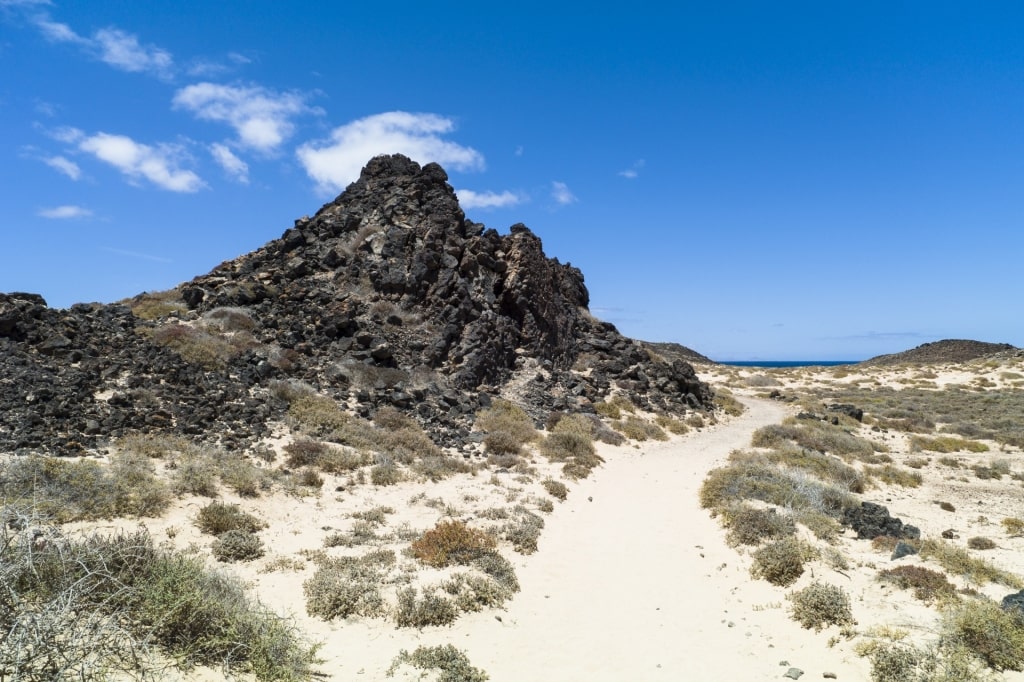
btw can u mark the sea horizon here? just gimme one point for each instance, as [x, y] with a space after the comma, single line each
[786, 363]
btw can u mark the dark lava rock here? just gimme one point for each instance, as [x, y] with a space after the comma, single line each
[848, 410]
[388, 295]
[901, 550]
[872, 520]
[1014, 603]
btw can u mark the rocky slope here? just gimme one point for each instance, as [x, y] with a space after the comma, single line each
[948, 350]
[387, 296]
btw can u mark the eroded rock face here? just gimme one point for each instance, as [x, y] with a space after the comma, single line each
[387, 296]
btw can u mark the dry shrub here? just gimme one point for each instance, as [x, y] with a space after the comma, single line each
[429, 610]
[473, 593]
[211, 351]
[220, 517]
[957, 561]
[451, 664]
[635, 428]
[507, 426]
[751, 526]
[671, 424]
[614, 406]
[946, 444]
[895, 476]
[725, 401]
[237, 545]
[570, 441]
[556, 489]
[820, 604]
[981, 543]
[318, 414]
[781, 562]
[987, 630]
[450, 542]
[152, 306]
[523, 531]
[1014, 526]
[927, 584]
[822, 466]
[345, 587]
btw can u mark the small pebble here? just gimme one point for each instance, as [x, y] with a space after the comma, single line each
[794, 673]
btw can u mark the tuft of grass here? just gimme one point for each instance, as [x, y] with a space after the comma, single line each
[1014, 526]
[781, 562]
[946, 444]
[450, 542]
[451, 664]
[895, 476]
[820, 604]
[981, 543]
[725, 401]
[429, 610]
[957, 561]
[153, 306]
[613, 407]
[570, 442]
[671, 424]
[638, 429]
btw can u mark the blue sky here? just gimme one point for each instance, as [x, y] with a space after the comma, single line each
[799, 180]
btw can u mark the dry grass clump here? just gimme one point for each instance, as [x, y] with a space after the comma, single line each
[822, 466]
[328, 458]
[1014, 526]
[94, 607]
[749, 525]
[957, 561]
[671, 424]
[81, 490]
[635, 428]
[570, 441]
[450, 542]
[816, 435]
[894, 475]
[152, 306]
[613, 407]
[507, 427]
[946, 444]
[927, 584]
[199, 346]
[781, 562]
[317, 414]
[995, 469]
[819, 605]
[220, 517]
[451, 664]
[726, 402]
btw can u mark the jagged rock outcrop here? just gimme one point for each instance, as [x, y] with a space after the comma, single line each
[387, 296]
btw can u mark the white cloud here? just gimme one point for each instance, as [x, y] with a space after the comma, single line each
[261, 117]
[560, 193]
[66, 134]
[159, 164]
[235, 167]
[65, 166]
[123, 51]
[336, 162]
[470, 199]
[633, 171]
[64, 212]
[58, 32]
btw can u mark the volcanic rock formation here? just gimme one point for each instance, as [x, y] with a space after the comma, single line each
[387, 296]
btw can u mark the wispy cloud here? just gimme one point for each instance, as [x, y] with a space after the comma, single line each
[633, 171]
[335, 162]
[561, 194]
[136, 254]
[65, 166]
[232, 165]
[881, 336]
[111, 45]
[158, 165]
[64, 212]
[205, 68]
[470, 199]
[66, 134]
[261, 117]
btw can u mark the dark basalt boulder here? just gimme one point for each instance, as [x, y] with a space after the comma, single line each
[872, 520]
[388, 296]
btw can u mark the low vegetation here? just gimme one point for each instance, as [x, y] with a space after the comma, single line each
[820, 604]
[781, 562]
[450, 664]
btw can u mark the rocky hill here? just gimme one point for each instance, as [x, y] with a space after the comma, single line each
[948, 350]
[388, 296]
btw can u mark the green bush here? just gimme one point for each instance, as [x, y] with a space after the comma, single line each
[452, 665]
[820, 604]
[781, 562]
[237, 545]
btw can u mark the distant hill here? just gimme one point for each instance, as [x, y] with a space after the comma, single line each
[948, 350]
[674, 351]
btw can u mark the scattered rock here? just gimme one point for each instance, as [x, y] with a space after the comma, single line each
[872, 520]
[1014, 603]
[794, 673]
[901, 550]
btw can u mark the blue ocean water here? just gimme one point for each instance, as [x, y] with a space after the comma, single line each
[788, 363]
